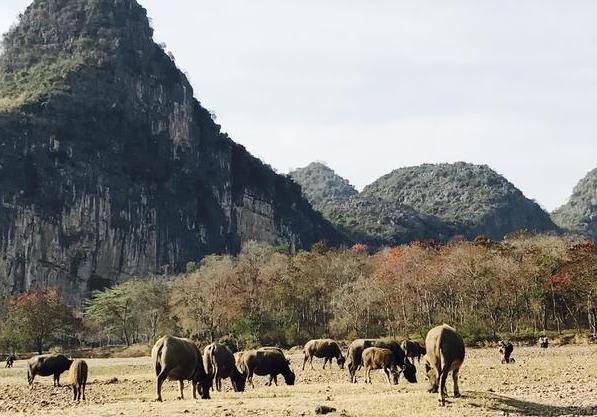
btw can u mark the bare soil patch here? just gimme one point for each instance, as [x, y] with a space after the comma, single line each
[561, 381]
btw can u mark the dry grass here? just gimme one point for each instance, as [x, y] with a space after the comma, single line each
[559, 382]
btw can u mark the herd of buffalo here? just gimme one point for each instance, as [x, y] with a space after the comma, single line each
[180, 360]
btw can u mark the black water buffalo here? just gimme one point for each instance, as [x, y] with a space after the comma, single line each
[46, 365]
[327, 349]
[220, 364]
[413, 349]
[266, 361]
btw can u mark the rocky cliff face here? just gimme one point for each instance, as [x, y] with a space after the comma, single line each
[579, 214]
[432, 202]
[109, 168]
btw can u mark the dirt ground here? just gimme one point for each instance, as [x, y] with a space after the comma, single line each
[561, 381]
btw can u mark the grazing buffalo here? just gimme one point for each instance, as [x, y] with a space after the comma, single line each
[445, 354]
[46, 365]
[179, 360]
[413, 350]
[266, 361]
[220, 364]
[355, 352]
[380, 358]
[327, 349]
[77, 378]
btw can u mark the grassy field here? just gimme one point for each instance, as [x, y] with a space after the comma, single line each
[561, 381]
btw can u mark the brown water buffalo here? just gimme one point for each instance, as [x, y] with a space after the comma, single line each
[445, 354]
[266, 361]
[380, 358]
[77, 378]
[220, 364]
[355, 352]
[179, 360]
[413, 349]
[46, 365]
[327, 349]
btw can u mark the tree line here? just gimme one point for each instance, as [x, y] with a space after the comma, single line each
[522, 286]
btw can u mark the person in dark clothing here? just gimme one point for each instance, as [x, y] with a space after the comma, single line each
[543, 342]
[10, 360]
[506, 349]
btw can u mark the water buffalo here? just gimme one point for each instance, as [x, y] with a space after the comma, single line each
[355, 352]
[46, 365]
[219, 363]
[323, 348]
[413, 349]
[266, 361]
[77, 378]
[179, 360]
[380, 358]
[445, 354]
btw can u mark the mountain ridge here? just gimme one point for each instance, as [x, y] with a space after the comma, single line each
[437, 201]
[111, 168]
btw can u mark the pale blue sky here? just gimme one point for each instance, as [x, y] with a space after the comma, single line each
[372, 85]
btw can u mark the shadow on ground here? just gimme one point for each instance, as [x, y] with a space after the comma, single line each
[508, 405]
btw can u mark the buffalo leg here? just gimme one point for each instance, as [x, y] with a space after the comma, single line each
[74, 392]
[325, 361]
[161, 378]
[388, 373]
[181, 388]
[455, 379]
[273, 378]
[205, 389]
[305, 359]
[352, 371]
[250, 378]
[83, 386]
[442, 385]
[30, 378]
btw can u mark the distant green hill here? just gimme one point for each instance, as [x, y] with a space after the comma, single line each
[427, 201]
[579, 214]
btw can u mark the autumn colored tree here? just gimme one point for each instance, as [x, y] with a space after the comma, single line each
[36, 318]
[205, 302]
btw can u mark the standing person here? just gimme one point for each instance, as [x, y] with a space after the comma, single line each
[543, 342]
[10, 360]
[506, 349]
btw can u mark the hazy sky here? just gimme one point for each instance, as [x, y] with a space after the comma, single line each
[372, 85]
